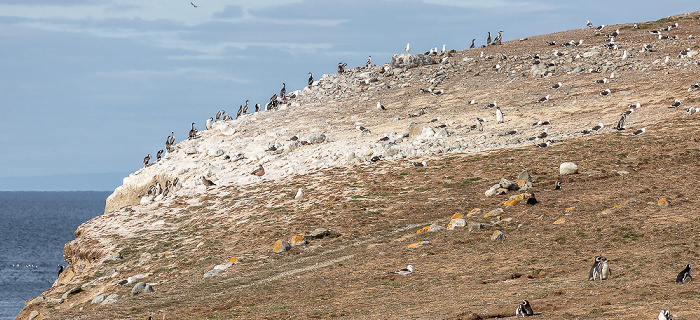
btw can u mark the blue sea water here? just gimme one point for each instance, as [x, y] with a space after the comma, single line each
[34, 227]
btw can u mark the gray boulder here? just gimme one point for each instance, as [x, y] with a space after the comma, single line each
[567, 168]
[407, 60]
[141, 287]
[112, 298]
[319, 233]
[99, 298]
[316, 138]
[507, 184]
[476, 226]
[524, 180]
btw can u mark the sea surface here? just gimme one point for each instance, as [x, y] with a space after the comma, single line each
[34, 227]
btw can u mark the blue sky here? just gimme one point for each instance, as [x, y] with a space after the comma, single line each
[90, 87]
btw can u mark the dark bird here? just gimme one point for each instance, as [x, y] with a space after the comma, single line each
[531, 200]
[544, 144]
[257, 107]
[543, 99]
[60, 269]
[159, 154]
[194, 5]
[488, 39]
[605, 80]
[375, 158]
[172, 138]
[640, 131]
[240, 111]
[605, 92]
[193, 132]
[220, 114]
[684, 276]
[228, 117]
[283, 91]
[260, 171]
[621, 123]
[598, 127]
[557, 185]
[557, 85]
[207, 182]
[245, 108]
[498, 38]
[311, 79]
[419, 164]
[341, 67]
[594, 272]
[369, 62]
[380, 106]
[146, 159]
[472, 46]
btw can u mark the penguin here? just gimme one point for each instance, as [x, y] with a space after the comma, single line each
[311, 79]
[621, 123]
[245, 108]
[488, 39]
[480, 124]
[531, 200]
[208, 123]
[207, 182]
[193, 132]
[283, 91]
[380, 106]
[60, 269]
[665, 314]
[159, 155]
[257, 107]
[557, 185]
[543, 99]
[604, 268]
[684, 276]
[472, 46]
[369, 62]
[408, 270]
[146, 159]
[499, 115]
[524, 310]
[594, 272]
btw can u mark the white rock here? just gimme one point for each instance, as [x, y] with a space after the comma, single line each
[568, 168]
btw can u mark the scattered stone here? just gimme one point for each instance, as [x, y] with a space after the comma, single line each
[71, 291]
[145, 257]
[521, 196]
[456, 222]
[36, 300]
[319, 233]
[420, 132]
[559, 221]
[663, 202]
[190, 150]
[112, 298]
[493, 190]
[297, 240]
[568, 168]
[35, 315]
[115, 256]
[316, 138]
[498, 235]
[417, 244]
[524, 180]
[407, 60]
[475, 211]
[280, 246]
[141, 287]
[476, 226]
[509, 185]
[218, 268]
[99, 298]
[493, 212]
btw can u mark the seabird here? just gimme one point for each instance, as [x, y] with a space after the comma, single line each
[380, 106]
[369, 62]
[557, 53]
[299, 194]
[621, 123]
[245, 108]
[499, 115]
[375, 159]
[488, 39]
[605, 92]
[194, 5]
[524, 310]
[472, 46]
[684, 276]
[605, 80]
[624, 55]
[598, 127]
[341, 67]
[480, 124]
[129, 280]
[228, 117]
[60, 269]
[636, 106]
[543, 99]
[667, 60]
[193, 132]
[283, 91]
[640, 131]
[240, 111]
[257, 107]
[676, 104]
[146, 159]
[403, 272]
[419, 164]
[693, 86]
[553, 43]
[311, 79]
[408, 47]
[665, 314]
[589, 24]
[511, 132]
[543, 134]
[472, 101]
[220, 114]
[159, 154]
[491, 105]
[498, 38]
[208, 123]
[557, 185]
[683, 53]
[207, 182]
[531, 200]
[544, 144]
[260, 171]
[557, 85]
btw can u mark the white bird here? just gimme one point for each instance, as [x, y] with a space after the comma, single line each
[499, 115]
[408, 47]
[624, 55]
[589, 24]
[380, 106]
[612, 75]
[472, 101]
[299, 194]
[208, 123]
[666, 61]
[444, 48]
[676, 104]
[403, 272]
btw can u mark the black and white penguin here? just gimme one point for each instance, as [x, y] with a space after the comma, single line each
[283, 91]
[146, 159]
[595, 270]
[524, 310]
[257, 107]
[193, 132]
[311, 79]
[499, 115]
[159, 155]
[621, 123]
[676, 104]
[245, 108]
[665, 314]
[684, 276]
[604, 268]
[220, 114]
[557, 185]
[207, 182]
[408, 270]
[472, 46]
[240, 111]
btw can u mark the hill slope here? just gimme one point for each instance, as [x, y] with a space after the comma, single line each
[374, 209]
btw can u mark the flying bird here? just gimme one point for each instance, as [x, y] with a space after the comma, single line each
[194, 5]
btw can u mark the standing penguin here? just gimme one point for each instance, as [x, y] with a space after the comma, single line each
[594, 273]
[684, 276]
[604, 268]
[665, 314]
[621, 123]
[524, 310]
[499, 115]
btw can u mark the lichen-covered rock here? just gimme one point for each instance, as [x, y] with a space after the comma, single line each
[112, 298]
[493, 212]
[498, 235]
[297, 240]
[663, 202]
[508, 184]
[417, 244]
[407, 60]
[280, 246]
[319, 233]
[455, 223]
[476, 226]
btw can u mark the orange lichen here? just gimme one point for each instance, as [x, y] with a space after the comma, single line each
[233, 259]
[663, 202]
[424, 229]
[494, 211]
[559, 221]
[416, 245]
[456, 215]
[510, 203]
[569, 209]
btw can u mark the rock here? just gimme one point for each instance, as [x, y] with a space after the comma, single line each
[319, 233]
[215, 152]
[211, 273]
[99, 298]
[568, 168]
[218, 268]
[508, 185]
[141, 287]
[115, 256]
[190, 150]
[35, 315]
[441, 133]
[589, 54]
[297, 240]
[316, 138]
[417, 244]
[420, 132]
[71, 291]
[492, 191]
[663, 202]
[559, 221]
[476, 226]
[524, 180]
[280, 246]
[36, 300]
[435, 228]
[498, 235]
[145, 257]
[493, 212]
[112, 298]
[456, 222]
[407, 60]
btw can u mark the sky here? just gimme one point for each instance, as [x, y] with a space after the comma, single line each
[89, 87]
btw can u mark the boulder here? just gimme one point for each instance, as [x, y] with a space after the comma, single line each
[141, 287]
[568, 168]
[280, 246]
[316, 138]
[492, 191]
[476, 226]
[456, 222]
[407, 60]
[508, 185]
[99, 298]
[435, 228]
[71, 291]
[524, 180]
[498, 235]
[420, 132]
[35, 315]
[112, 298]
[319, 233]
[297, 240]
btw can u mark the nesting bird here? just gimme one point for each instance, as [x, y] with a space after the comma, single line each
[408, 270]
[220, 114]
[640, 131]
[665, 315]
[557, 85]
[260, 171]
[605, 92]
[299, 194]
[543, 99]
[676, 104]
[159, 154]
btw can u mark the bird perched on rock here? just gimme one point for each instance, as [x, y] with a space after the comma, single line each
[498, 38]
[545, 144]
[260, 171]
[299, 194]
[60, 269]
[240, 111]
[369, 62]
[159, 154]
[589, 24]
[403, 272]
[257, 107]
[207, 182]
[228, 117]
[684, 276]
[245, 108]
[557, 85]
[408, 47]
[146, 159]
[472, 46]
[419, 164]
[220, 114]
[193, 132]
[341, 67]
[311, 79]
[283, 91]
[665, 315]
[524, 310]
[488, 39]
[208, 123]
[380, 106]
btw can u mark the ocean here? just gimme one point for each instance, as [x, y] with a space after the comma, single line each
[34, 227]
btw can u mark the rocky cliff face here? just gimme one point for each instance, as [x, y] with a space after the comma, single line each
[328, 136]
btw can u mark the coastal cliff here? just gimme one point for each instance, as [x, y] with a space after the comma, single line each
[371, 179]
